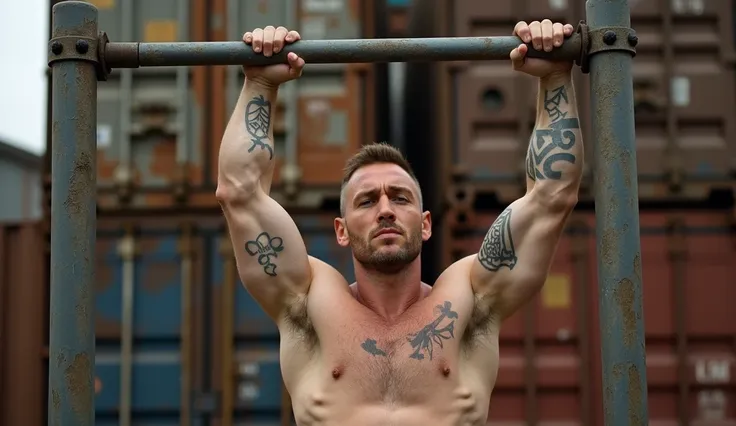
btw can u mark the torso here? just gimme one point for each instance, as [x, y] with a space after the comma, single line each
[342, 364]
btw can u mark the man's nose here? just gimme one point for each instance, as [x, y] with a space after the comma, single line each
[385, 212]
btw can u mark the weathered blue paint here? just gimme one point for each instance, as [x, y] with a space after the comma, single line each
[617, 218]
[157, 321]
[73, 224]
[157, 287]
[131, 55]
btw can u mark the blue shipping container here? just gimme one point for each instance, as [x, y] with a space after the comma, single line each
[179, 339]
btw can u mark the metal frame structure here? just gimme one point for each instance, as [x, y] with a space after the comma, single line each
[80, 55]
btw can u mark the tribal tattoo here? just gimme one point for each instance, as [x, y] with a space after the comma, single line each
[257, 123]
[497, 250]
[551, 146]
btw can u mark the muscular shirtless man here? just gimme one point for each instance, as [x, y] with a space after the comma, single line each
[389, 349]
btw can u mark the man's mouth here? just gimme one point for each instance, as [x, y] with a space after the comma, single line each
[387, 231]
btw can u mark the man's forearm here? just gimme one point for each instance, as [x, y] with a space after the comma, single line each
[247, 148]
[555, 153]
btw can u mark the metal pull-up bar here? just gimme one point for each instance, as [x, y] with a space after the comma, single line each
[80, 56]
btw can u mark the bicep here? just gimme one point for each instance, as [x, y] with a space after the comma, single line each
[270, 253]
[516, 254]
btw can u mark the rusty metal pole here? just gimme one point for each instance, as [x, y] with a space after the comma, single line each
[72, 58]
[617, 214]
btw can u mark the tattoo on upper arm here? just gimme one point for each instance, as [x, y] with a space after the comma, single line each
[551, 145]
[497, 250]
[436, 332]
[530, 167]
[266, 248]
[257, 122]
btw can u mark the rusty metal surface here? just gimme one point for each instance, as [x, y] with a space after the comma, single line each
[617, 225]
[23, 320]
[329, 51]
[73, 223]
[689, 252]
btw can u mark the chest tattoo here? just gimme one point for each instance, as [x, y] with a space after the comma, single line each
[423, 341]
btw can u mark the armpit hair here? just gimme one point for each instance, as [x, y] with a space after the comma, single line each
[299, 323]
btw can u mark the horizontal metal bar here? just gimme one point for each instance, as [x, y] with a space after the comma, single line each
[134, 55]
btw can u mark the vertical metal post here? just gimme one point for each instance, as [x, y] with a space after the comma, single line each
[72, 53]
[617, 219]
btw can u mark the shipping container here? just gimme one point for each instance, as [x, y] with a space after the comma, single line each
[323, 117]
[23, 323]
[152, 145]
[550, 371]
[245, 346]
[685, 98]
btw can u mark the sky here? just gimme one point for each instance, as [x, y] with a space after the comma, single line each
[24, 31]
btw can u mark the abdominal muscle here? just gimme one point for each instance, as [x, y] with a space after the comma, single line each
[362, 401]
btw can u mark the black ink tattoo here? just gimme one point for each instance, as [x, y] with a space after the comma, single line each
[530, 167]
[497, 250]
[370, 346]
[266, 248]
[549, 140]
[257, 122]
[553, 100]
[423, 341]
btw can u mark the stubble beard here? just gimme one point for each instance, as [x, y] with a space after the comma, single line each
[386, 262]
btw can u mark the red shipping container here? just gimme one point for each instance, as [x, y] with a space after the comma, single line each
[550, 350]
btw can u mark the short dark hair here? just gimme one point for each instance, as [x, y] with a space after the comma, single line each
[375, 153]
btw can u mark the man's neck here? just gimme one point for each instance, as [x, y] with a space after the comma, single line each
[389, 295]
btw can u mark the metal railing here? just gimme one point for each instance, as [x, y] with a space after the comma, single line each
[80, 56]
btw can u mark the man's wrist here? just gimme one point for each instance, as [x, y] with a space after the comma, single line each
[556, 79]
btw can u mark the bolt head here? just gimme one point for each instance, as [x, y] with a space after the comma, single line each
[56, 47]
[609, 37]
[633, 39]
[82, 46]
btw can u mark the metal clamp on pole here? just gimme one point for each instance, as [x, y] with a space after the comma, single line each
[604, 40]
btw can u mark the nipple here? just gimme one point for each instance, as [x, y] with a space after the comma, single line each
[336, 373]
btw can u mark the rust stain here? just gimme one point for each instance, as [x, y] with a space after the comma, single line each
[635, 397]
[164, 157]
[80, 186]
[78, 379]
[56, 406]
[624, 296]
[637, 266]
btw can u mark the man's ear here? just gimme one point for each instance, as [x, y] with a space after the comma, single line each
[341, 232]
[426, 225]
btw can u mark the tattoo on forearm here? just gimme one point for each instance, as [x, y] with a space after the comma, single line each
[551, 146]
[497, 250]
[436, 332]
[257, 122]
[266, 248]
[370, 346]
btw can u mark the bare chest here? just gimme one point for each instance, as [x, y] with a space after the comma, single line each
[400, 362]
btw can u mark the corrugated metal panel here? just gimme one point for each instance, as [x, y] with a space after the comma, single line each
[152, 150]
[148, 314]
[23, 323]
[684, 91]
[324, 116]
[246, 368]
[550, 350]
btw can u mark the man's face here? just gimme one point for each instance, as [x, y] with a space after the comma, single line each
[383, 224]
